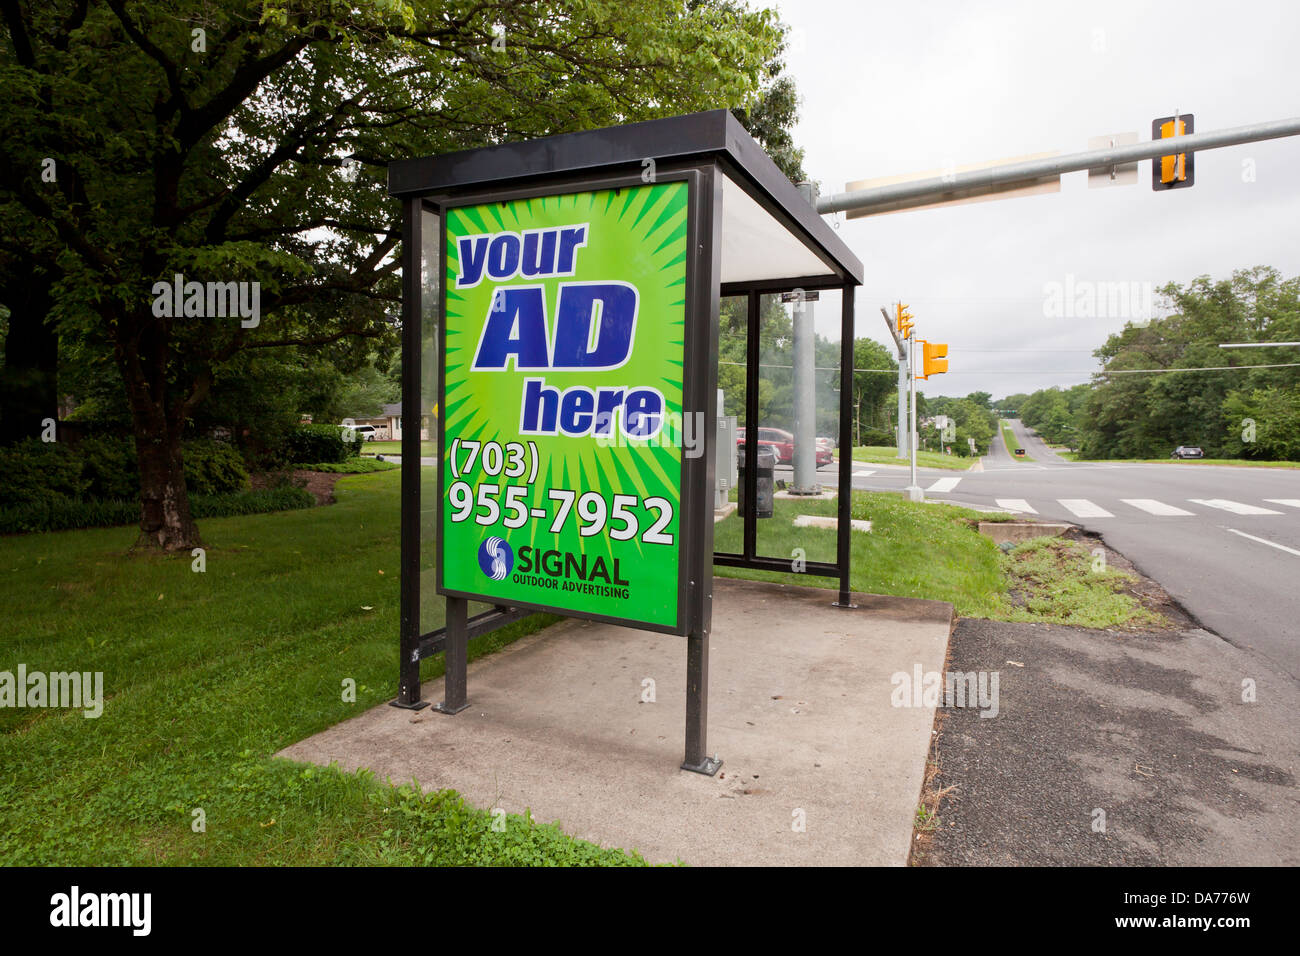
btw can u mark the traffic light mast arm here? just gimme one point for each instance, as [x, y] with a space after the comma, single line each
[938, 186]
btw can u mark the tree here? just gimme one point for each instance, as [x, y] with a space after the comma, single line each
[247, 142]
[1143, 415]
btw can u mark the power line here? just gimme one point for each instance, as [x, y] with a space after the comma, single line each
[1208, 368]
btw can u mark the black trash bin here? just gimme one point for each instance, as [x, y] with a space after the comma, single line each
[766, 479]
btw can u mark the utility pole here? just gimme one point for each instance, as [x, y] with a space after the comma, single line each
[914, 491]
[805, 384]
[904, 439]
[902, 381]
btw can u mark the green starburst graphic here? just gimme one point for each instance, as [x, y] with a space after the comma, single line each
[633, 235]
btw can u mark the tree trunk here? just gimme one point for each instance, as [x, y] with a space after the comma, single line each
[165, 520]
[158, 422]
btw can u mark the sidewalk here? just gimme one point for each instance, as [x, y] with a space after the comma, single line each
[799, 710]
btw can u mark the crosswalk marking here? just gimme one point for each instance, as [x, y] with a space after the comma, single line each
[863, 474]
[1289, 502]
[1151, 506]
[1016, 504]
[1236, 507]
[1083, 508]
[1271, 544]
[944, 484]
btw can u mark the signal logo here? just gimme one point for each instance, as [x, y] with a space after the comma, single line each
[496, 559]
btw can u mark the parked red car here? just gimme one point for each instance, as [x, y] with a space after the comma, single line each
[782, 444]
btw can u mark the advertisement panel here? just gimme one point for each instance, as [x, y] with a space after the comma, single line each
[561, 452]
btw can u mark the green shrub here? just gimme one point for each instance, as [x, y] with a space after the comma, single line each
[875, 436]
[108, 464]
[319, 443]
[260, 501]
[213, 468]
[33, 471]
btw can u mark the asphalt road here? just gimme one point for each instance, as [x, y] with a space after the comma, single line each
[1224, 541]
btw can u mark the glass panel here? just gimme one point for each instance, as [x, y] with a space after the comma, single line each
[788, 426]
[432, 605]
[733, 336]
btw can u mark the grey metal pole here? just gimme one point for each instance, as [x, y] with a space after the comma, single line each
[914, 491]
[1254, 345]
[805, 386]
[697, 705]
[901, 432]
[455, 654]
[904, 432]
[882, 198]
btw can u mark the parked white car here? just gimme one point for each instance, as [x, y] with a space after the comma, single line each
[367, 432]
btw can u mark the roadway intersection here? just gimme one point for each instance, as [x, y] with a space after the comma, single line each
[1224, 541]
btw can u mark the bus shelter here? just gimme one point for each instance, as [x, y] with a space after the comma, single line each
[560, 322]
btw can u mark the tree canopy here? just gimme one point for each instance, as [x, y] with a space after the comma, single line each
[238, 141]
[1168, 383]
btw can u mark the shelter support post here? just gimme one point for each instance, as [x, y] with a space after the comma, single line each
[408, 683]
[455, 657]
[844, 501]
[697, 706]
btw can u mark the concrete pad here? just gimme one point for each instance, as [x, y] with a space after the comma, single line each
[1001, 531]
[799, 710]
[787, 495]
[828, 521]
[721, 514]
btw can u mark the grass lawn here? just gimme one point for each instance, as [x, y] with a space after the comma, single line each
[933, 550]
[395, 448]
[887, 455]
[1236, 462]
[1009, 437]
[353, 466]
[205, 676]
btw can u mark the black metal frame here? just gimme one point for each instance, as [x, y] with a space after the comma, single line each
[750, 558]
[701, 149]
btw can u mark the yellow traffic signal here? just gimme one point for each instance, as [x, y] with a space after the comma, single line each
[934, 358]
[903, 320]
[1173, 171]
[1173, 167]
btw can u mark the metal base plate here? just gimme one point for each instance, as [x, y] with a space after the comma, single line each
[709, 767]
[849, 607]
[418, 705]
[442, 708]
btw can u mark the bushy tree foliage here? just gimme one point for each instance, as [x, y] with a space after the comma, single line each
[247, 141]
[1232, 410]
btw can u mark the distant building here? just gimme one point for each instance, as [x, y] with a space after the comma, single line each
[392, 420]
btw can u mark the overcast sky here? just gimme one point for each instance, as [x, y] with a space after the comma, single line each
[890, 89]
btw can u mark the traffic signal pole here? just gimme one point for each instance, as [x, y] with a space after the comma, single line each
[915, 192]
[901, 431]
[904, 431]
[914, 491]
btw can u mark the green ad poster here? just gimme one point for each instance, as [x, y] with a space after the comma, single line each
[561, 458]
